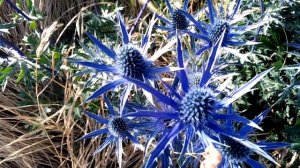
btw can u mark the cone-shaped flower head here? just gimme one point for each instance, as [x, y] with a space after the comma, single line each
[194, 111]
[234, 150]
[117, 126]
[131, 62]
[177, 22]
[237, 151]
[197, 106]
[217, 30]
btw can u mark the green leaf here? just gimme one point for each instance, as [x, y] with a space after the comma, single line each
[29, 4]
[296, 146]
[6, 70]
[33, 25]
[20, 75]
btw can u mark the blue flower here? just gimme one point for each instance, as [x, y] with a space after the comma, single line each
[235, 152]
[194, 110]
[128, 61]
[212, 31]
[177, 22]
[117, 128]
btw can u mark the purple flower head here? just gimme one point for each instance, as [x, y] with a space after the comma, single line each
[212, 31]
[116, 127]
[236, 151]
[178, 21]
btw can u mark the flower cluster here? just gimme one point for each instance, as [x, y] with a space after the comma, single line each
[190, 115]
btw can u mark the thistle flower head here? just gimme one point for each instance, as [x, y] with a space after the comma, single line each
[128, 61]
[193, 111]
[234, 150]
[179, 21]
[197, 105]
[237, 151]
[131, 62]
[117, 126]
[217, 30]
[211, 32]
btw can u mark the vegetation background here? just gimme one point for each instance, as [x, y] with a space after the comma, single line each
[40, 113]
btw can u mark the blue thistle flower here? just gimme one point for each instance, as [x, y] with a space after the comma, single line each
[131, 63]
[212, 31]
[128, 61]
[194, 111]
[197, 106]
[235, 151]
[177, 22]
[118, 128]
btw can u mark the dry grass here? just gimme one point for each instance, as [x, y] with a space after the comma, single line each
[30, 137]
[19, 146]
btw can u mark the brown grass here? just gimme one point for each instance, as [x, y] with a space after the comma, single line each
[30, 137]
[19, 146]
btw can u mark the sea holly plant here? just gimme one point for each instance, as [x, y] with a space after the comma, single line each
[173, 122]
[194, 111]
[211, 32]
[190, 115]
[236, 152]
[177, 23]
[13, 60]
[116, 128]
[19, 11]
[129, 60]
